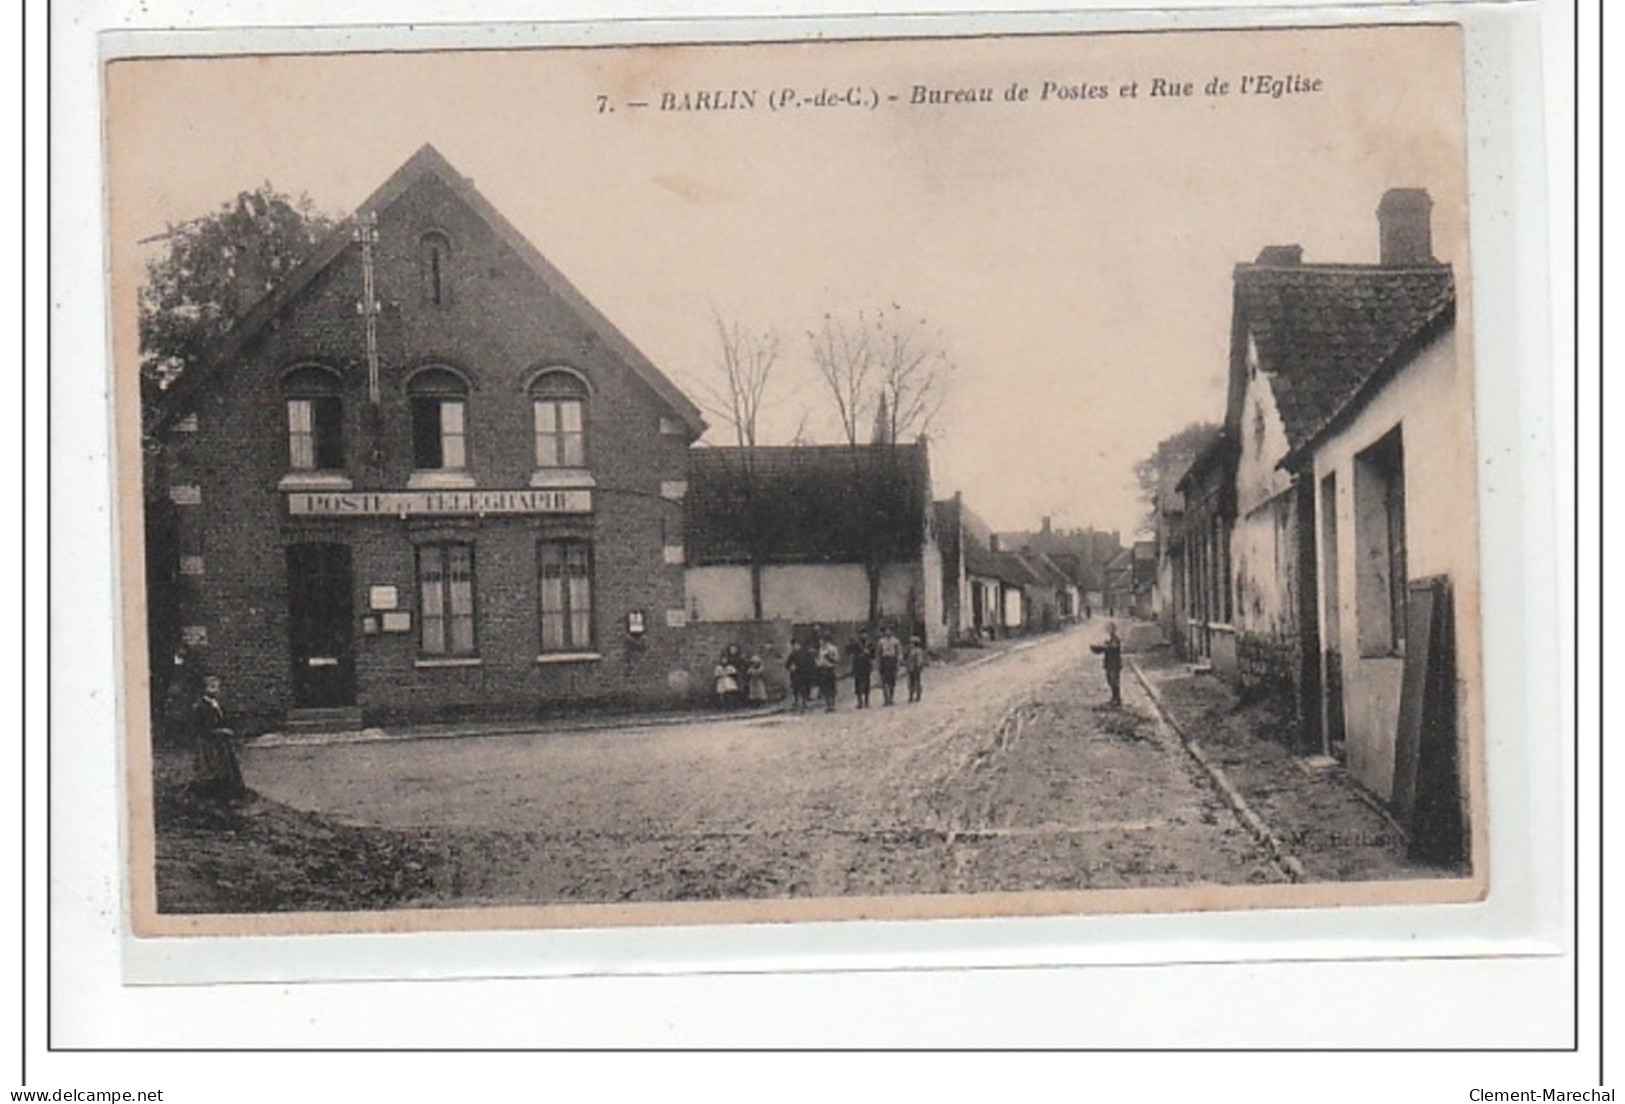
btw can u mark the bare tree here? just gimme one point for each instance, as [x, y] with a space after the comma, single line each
[893, 370]
[745, 363]
[913, 376]
[845, 355]
[736, 397]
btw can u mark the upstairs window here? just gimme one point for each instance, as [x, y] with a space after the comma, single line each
[434, 267]
[559, 406]
[315, 420]
[439, 400]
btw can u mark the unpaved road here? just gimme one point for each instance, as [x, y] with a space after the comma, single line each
[1010, 775]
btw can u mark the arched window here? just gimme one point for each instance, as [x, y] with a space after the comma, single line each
[434, 266]
[559, 405]
[439, 420]
[315, 408]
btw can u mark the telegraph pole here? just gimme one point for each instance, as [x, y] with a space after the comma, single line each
[366, 233]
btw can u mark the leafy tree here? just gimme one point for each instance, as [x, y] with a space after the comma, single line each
[211, 271]
[1158, 473]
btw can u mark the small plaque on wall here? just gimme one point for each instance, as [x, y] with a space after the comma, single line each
[676, 618]
[383, 598]
[398, 621]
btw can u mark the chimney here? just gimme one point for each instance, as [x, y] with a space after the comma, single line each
[1279, 255]
[1046, 523]
[1405, 223]
[993, 542]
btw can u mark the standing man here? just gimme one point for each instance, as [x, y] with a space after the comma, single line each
[890, 651]
[914, 660]
[1111, 652]
[829, 659]
[803, 670]
[863, 663]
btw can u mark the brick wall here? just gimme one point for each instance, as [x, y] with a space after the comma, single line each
[501, 323]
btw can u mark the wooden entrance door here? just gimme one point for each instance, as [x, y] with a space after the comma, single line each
[321, 619]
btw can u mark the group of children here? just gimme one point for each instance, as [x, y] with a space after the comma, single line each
[740, 681]
[814, 666]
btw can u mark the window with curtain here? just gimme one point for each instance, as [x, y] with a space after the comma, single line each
[565, 570]
[559, 406]
[446, 600]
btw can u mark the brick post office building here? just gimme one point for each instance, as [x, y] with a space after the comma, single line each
[424, 478]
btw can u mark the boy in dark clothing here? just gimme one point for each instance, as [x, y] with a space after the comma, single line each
[863, 661]
[1111, 652]
[802, 668]
[914, 661]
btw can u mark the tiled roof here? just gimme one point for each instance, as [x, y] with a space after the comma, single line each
[813, 504]
[1051, 571]
[1322, 330]
[979, 560]
[1013, 567]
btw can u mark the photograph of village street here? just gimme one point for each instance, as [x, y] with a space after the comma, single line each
[892, 471]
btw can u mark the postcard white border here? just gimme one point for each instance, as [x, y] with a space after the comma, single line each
[1526, 919]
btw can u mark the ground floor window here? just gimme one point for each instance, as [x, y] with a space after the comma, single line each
[446, 599]
[565, 568]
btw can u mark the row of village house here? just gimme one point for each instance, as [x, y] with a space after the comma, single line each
[1322, 548]
[472, 495]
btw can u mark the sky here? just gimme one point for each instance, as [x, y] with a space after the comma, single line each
[1072, 254]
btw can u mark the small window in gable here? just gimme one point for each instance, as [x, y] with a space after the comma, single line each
[434, 264]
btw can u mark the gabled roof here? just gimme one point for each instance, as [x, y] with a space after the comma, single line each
[1078, 569]
[428, 161]
[807, 504]
[1321, 331]
[1017, 569]
[979, 559]
[1217, 455]
[1047, 569]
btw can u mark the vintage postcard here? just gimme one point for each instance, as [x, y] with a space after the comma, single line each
[907, 477]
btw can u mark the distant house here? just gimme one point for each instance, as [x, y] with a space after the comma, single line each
[971, 608]
[810, 527]
[1046, 592]
[1196, 552]
[1144, 577]
[1117, 592]
[982, 579]
[1080, 554]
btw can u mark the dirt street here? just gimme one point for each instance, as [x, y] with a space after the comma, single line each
[1011, 775]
